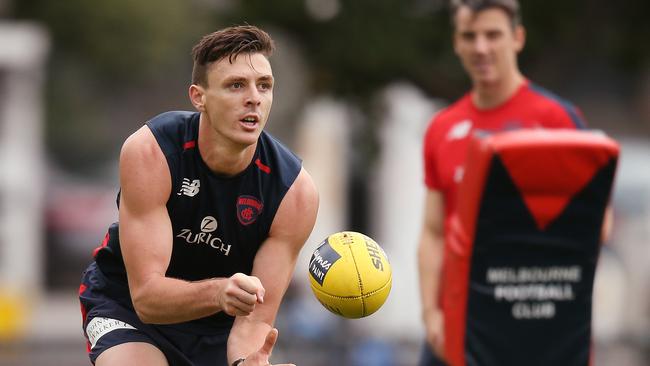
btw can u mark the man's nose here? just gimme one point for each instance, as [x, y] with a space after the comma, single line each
[253, 96]
[481, 44]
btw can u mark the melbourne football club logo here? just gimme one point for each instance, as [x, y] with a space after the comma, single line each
[248, 208]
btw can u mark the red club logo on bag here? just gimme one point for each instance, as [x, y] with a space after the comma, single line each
[248, 208]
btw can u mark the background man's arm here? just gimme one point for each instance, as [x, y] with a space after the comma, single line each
[430, 256]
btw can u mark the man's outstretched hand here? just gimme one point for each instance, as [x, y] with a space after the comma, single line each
[261, 357]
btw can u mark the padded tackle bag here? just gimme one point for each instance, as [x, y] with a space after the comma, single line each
[523, 247]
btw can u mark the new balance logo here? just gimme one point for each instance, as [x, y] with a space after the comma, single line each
[460, 130]
[188, 188]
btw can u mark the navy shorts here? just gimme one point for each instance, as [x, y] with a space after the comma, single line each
[107, 323]
[428, 358]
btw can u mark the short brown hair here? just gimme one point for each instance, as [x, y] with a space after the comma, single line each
[229, 42]
[511, 7]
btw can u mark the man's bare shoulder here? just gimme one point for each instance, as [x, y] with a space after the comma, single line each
[144, 173]
[298, 210]
[141, 144]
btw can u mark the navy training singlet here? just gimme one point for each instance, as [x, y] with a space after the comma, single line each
[218, 222]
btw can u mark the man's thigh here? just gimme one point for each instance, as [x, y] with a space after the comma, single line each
[132, 354]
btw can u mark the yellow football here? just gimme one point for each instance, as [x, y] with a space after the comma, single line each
[350, 274]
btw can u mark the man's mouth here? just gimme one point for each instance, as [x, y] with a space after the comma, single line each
[481, 64]
[250, 121]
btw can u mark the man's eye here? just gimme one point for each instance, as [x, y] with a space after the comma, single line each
[494, 35]
[237, 85]
[468, 36]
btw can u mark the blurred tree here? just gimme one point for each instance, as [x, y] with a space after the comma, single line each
[582, 32]
[367, 44]
[106, 54]
[135, 54]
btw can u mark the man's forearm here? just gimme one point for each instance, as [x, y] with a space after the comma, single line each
[430, 256]
[165, 300]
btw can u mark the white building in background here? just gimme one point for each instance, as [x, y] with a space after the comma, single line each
[323, 143]
[23, 53]
[397, 202]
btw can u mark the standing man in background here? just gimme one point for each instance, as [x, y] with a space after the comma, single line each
[488, 36]
[213, 212]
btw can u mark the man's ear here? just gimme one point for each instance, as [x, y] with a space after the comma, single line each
[520, 38]
[197, 97]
